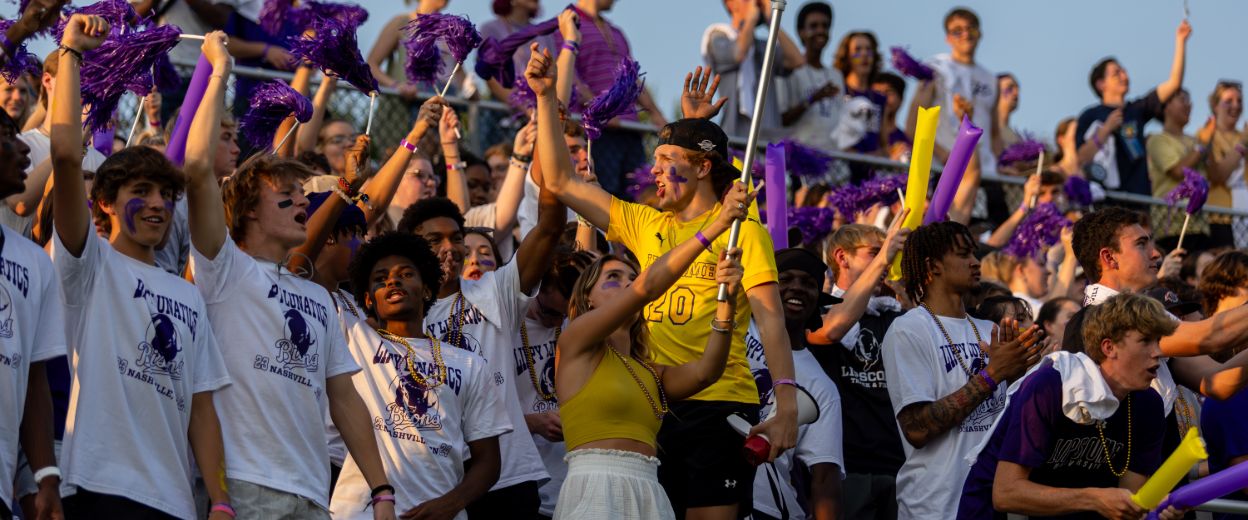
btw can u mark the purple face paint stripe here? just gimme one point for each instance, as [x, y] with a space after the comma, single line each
[133, 207]
[610, 285]
[671, 173]
[486, 262]
[286, 203]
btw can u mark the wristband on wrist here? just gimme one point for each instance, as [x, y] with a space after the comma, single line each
[264, 54]
[789, 382]
[47, 471]
[526, 159]
[224, 508]
[384, 488]
[716, 328]
[408, 144]
[75, 53]
[572, 46]
[456, 166]
[518, 163]
[346, 187]
[1096, 139]
[706, 243]
[992, 385]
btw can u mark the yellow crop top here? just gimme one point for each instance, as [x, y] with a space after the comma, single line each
[611, 405]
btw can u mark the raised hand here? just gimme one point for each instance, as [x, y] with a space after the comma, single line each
[526, 138]
[1172, 264]
[279, 58]
[570, 25]
[40, 14]
[356, 160]
[541, 71]
[429, 116]
[895, 237]
[1012, 351]
[1183, 32]
[697, 100]
[84, 33]
[963, 107]
[736, 206]
[214, 48]
[1113, 121]
[729, 270]
[447, 125]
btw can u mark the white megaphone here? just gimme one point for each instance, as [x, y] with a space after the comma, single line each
[758, 447]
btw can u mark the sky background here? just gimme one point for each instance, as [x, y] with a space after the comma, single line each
[1050, 45]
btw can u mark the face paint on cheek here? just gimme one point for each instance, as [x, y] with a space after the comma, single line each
[609, 285]
[353, 245]
[133, 207]
[286, 203]
[676, 178]
[486, 262]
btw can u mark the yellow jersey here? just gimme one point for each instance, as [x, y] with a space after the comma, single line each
[680, 321]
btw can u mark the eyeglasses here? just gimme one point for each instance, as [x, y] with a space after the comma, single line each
[1230, 83]
[957, 32]
[424, 176]
[487, 231]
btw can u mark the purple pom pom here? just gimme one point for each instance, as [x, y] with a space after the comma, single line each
[805, 161]
[1027, 150]
[20, 62]
[271, 103]
[273, 15]
[907, 65]
[813, 222]
[620, 99]
[494, 58]
[424, 58]
[1194, 188]
[1078, 191]
[845, 199]
[639, 180]
[165, 75]
[1038, 232]
[333, 48]
[282, 18]
[522, 97]
[124, 62]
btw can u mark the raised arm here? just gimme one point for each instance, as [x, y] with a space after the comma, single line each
[307, 134]
[71, 217]
[1002, 234]
[387, 41]
[321, 223]
[682, 381]
[1213, 334]
[381, 188]
[24, 203]
[536, 249]
[206, 213]
[301, 83]
[38, 15]
[589, 201]
[1173, 83]
[697, 99]
[512, 191]
[842, 317]
[592, 327]
[456, 180]
[570, 29]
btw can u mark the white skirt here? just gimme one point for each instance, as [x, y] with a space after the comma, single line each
[614, 485]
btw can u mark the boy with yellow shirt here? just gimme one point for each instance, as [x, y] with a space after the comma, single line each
[703, 469]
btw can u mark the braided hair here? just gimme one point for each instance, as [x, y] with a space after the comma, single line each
[930, 242]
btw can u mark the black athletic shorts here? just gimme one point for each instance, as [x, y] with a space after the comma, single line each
[702, 462]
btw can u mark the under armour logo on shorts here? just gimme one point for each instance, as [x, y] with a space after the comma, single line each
[730, 483]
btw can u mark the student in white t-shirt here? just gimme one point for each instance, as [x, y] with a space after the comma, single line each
[819, 449]
[432, 406]
[962, 87]
[946, 372]
[808, 96]
[483, 316]
[145, 362]
[31, 332]
[283, 347]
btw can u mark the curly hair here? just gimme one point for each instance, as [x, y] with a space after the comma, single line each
[930, 242]
[1223, 277]
[1122, 313]
[241, 193]
[841, 60]
[1099, 230]
[429, 209]
[393, 243]
[578, 304]
[133, 164]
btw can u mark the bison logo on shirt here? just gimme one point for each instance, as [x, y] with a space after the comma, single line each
[867, 349]
[6, 313]
[298, 347]
[414, 406]
[158, 353]
[547, 379]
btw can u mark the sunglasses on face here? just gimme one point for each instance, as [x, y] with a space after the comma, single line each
[957, 32]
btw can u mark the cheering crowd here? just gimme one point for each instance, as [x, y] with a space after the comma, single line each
[254, 312]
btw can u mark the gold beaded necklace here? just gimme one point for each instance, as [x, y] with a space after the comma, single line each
[530, 362]
[438, 363]
[1100, 429]
[456, 335]
[659, 409]
[949, 338]
[1184, 414]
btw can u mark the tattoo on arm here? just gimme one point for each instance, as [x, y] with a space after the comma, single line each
[922, 422]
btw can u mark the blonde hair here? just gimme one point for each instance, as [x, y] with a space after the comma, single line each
[1120, 314]
[241, 193]
[578, 304]
[849, 237]
[999, 266]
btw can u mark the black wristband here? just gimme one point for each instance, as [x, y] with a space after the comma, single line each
[522, 158]
[379, 489]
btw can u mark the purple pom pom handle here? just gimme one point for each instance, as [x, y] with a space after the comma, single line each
[907, 65]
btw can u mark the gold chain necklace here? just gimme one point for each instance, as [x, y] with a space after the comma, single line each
[661, 408]
[1100, 429]
[456, 334]
[948, 338]
[530, 362]
[411, 367]
[1185, 415]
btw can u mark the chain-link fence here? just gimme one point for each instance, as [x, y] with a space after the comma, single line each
[488, 122]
